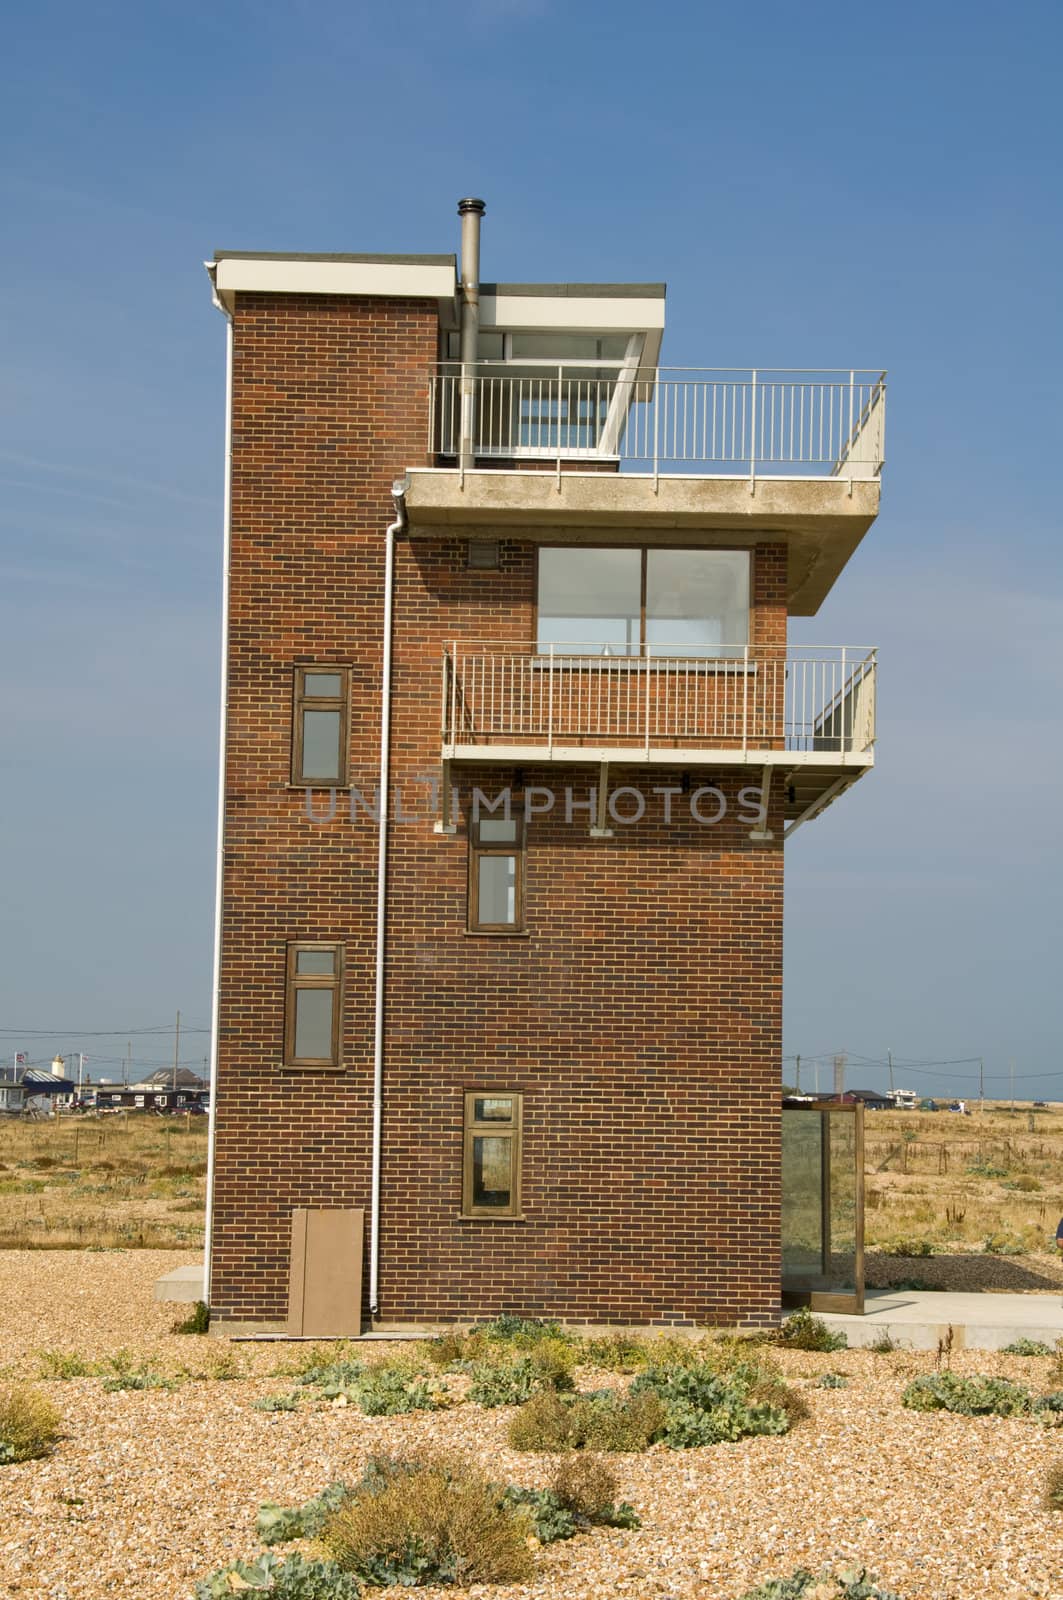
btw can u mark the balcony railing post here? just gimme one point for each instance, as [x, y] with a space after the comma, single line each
[454, 691]
[845, 744]
[646, 698]
[753, 433]
[745, 700]
[550, 707]
[656, 428]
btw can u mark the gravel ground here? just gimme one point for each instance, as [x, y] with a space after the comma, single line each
[147, 1491]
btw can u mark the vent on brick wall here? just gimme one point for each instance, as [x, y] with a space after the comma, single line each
[483, 555]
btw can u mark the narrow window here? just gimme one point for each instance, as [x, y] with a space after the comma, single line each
[491, 1169]
[319, 745]
[314, 1005]
[496, 875]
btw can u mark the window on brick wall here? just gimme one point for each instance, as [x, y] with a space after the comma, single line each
[496, 875]
[626, 601]
[321, 719]
[313, 1005]
[491, 1168]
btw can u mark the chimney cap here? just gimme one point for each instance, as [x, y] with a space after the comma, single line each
[471, 204]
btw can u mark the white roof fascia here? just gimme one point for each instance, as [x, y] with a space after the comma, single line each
[582, 314]
[244, 275]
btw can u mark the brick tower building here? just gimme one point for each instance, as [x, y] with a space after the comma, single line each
[511, 742]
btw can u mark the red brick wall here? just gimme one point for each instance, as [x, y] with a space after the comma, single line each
[640, 1014]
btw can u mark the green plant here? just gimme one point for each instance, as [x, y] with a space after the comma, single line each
[986, 1169]
[29, 1424]
[972, 1397]
[62, 1365]
[583, 1495]
[909, 1246]
[429, 1522]
[547, 1518]
[511, 1381]
[1003, 1244]
[884, 1344]
[1024, 1184]
[386, 1391]
[856, 1584]
[803, 1331]
[616, 1352]
[521, 1331]
[277, 1524]
[288, 1578]
[197, 1321]
[331, 1376]
[1026, 1347]
[276, 1402]
[832, 1380]
[1052, 1499]
[604, 1420]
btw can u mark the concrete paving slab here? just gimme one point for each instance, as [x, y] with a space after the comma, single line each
[183, 1283]
[917, 1319]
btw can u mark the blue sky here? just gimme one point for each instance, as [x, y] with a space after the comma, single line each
[820, 186]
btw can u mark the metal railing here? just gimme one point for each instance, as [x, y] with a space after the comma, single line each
[542, 696]
[755, 422]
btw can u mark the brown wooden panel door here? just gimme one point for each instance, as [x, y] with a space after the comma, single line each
[325, 1274]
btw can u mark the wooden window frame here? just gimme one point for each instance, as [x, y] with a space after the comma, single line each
[496, 847]
[295, 982]
[513, 1131]
[301, 701]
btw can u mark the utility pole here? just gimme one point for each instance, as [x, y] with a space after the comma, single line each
[799, 1074]
[981, 1085]
[176, 1047]
[128, 1060]
[1011, 1074]
[889, 1058]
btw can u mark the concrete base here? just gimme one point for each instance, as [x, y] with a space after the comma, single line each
[183, 1283]
[918, 1319]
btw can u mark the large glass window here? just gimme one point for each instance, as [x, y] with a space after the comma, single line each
[631, 601]
[491, 1166]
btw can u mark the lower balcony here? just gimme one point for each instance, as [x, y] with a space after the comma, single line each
[803, 717]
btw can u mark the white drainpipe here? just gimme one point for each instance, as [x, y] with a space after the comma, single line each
[222, 738]
[398, 491]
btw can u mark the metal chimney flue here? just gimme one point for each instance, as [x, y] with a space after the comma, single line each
[470, 211]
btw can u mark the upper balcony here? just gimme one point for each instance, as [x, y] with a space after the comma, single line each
[566, 449]
[803, 716]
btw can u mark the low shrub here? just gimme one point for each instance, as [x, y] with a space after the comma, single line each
[832, 1380]
[885, 1344]
[1003, 1244]
[1052, 1499]
[970, 1397]
[61, 1365]
[288, 1578]
[1026, 1347]
[511, 1381]
[906, 1247]
[986, 1169]
[276, 1402]
[707, 1407]
[427, 1523]
[603, 1420]
[523, 1332]
[29, 1424]
[852, 1585]
[197, 1321]
[803, 1331]
[616, 1352]
[1024, 1184]
[583, 1495]
[386, 1389]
